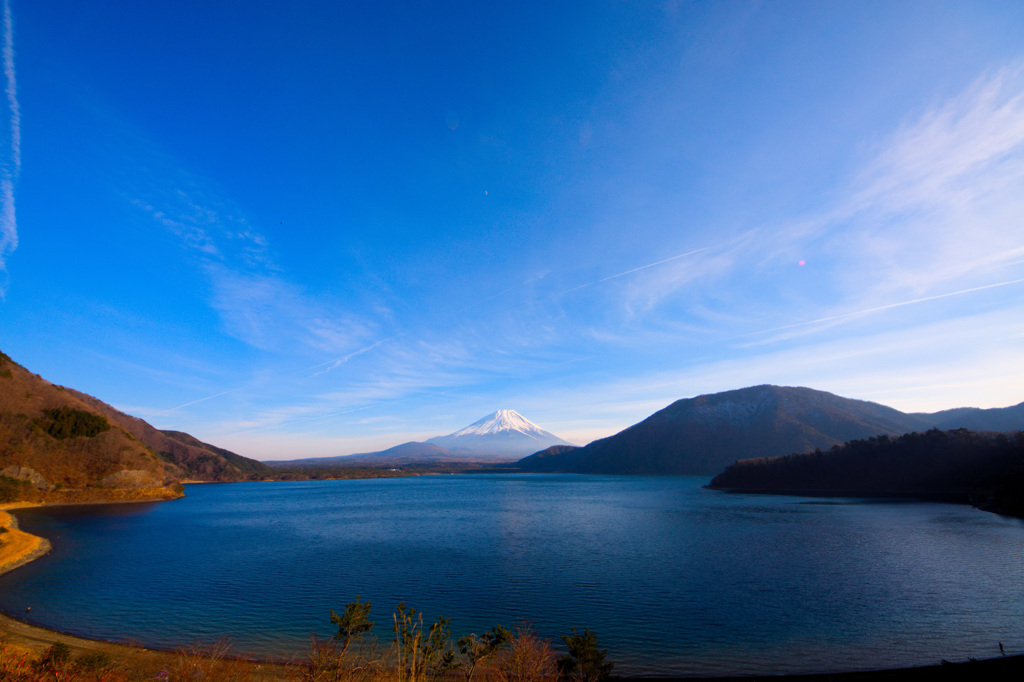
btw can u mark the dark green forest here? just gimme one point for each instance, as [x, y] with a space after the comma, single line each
[67, 422]
[981, 468]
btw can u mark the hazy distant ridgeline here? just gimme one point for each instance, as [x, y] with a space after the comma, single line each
[987, 468]
[977, 419]
[703, 435]
[400, 455]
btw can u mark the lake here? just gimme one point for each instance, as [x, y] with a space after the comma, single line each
[674, 579]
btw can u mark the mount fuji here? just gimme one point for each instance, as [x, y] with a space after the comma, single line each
[505, 432]
[504, 436]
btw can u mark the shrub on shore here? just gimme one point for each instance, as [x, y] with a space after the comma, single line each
[416, 653]
[585, 660]
[421, 653]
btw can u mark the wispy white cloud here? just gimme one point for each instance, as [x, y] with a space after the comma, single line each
[953, 154]
[940, 204]
[202, 218]
[889, 306]
[255, 299]
[633, 270]
[10, 165]
[325, 367]
[12, 87]
[193, 235]
[267, 311]
[937, 206]
[192, 402]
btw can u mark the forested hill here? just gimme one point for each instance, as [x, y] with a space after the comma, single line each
[984, 468]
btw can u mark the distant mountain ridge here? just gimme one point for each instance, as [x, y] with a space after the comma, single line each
[502, 436]
[703, 435]
[993, 419]
[406, 453]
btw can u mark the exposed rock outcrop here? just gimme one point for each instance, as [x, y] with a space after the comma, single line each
[21, 473]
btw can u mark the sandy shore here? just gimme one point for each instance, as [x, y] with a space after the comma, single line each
[17, 547]
[213, 661]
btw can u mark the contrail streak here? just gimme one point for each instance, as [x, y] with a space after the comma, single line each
[630, 272]
[345, 358]
[209, 397]
[333, 363]
[889, 306]
[12, 88]
[497, 295]
[11, 167]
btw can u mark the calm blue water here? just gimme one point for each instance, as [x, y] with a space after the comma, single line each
[674, 579]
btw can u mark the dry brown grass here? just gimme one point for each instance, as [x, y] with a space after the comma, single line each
[25, 401]
[16, 545]
[527, 658]
[115, 663]
[327, 662]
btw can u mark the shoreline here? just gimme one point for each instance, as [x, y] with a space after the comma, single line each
[23, 637]
[17, 547]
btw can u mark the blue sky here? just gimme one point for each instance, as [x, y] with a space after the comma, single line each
[317, 228]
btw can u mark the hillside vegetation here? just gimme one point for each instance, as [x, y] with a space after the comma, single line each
[984, 468]
[58, 445]
[55, 447]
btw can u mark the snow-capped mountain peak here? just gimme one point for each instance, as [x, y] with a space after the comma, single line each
[505, 432]
[502, 420]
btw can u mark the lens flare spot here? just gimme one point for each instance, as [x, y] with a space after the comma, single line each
[802, 263]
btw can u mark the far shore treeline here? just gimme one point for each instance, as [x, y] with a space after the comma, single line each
[983, 469]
